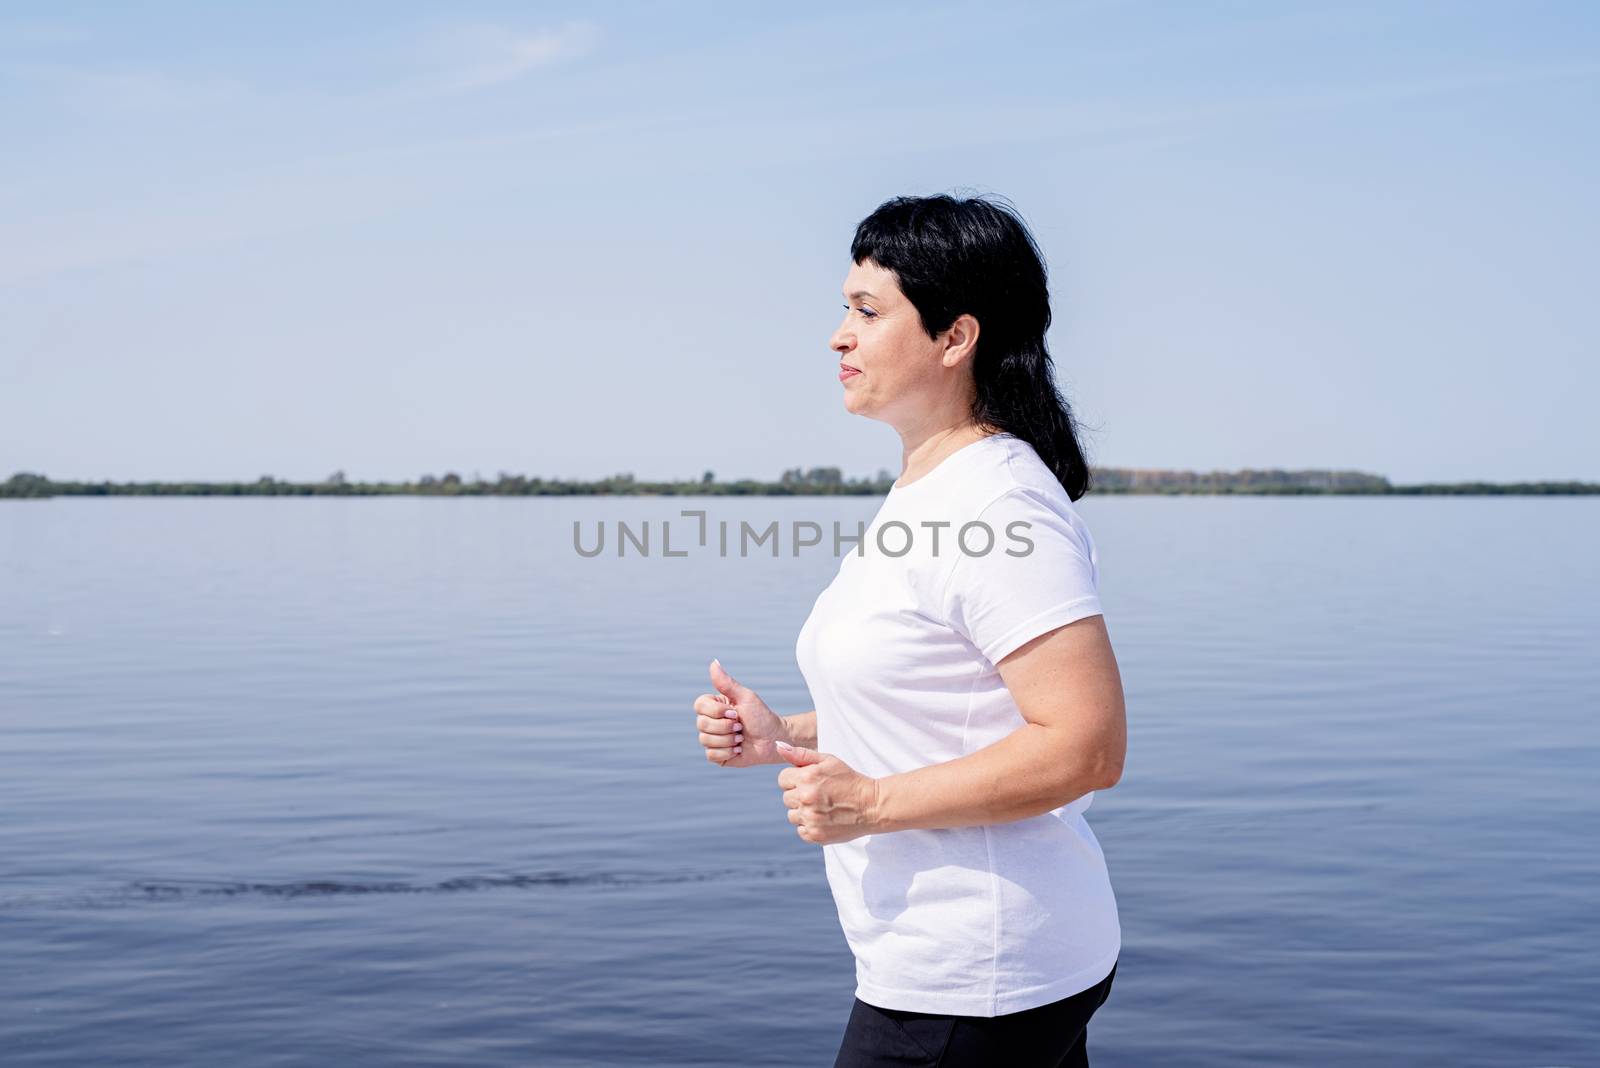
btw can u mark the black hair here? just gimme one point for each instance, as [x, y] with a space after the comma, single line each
[974, 256]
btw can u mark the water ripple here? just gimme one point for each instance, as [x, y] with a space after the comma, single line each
[143, 890]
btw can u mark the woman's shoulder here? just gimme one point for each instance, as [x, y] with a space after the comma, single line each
[1012, 469]
[1002, 475]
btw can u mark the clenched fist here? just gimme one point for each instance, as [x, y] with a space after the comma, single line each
[828, 800]
[736, 727]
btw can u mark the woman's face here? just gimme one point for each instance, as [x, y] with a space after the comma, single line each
[896, 363]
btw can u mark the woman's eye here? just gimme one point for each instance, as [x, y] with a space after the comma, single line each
[869, 313]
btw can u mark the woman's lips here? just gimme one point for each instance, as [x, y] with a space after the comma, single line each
[846, 371]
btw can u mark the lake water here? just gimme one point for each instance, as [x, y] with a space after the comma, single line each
[410, 782]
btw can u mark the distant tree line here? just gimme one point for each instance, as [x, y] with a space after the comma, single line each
[1272, 480]
[818, 481]
[795, 482]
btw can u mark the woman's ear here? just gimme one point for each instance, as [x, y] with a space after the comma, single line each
[960, 341]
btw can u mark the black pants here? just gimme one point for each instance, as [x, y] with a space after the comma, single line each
[1049, 1036]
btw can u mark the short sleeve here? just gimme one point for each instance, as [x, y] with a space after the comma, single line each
[1041, 573]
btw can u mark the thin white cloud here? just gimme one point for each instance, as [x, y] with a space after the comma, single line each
[124, 91]
[449, 62]
[478, 57]
[27, 33]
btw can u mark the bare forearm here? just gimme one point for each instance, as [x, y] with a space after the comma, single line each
[802, 728]
[1031, 771]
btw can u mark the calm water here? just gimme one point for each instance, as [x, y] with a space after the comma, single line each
[409, 782]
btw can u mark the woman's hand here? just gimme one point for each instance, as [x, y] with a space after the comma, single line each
[828, 800]
[737, 728]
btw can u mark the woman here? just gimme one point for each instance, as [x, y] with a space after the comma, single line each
[968, 701]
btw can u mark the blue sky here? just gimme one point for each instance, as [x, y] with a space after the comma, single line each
[397, 238]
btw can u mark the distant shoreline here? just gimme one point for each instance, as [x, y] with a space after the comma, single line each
[816, 482]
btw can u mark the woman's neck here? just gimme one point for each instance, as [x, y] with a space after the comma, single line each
[924, 454]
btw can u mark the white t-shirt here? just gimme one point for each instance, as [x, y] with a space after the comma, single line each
[899, 654]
